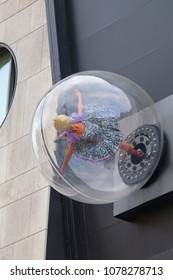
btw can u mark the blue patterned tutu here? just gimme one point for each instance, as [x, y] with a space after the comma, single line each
[102, 136]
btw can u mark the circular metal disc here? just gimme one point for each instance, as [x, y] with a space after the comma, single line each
[133, 169]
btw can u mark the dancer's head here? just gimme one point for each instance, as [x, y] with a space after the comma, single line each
[62, 123]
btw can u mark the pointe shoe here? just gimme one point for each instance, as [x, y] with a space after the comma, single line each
[139, 153]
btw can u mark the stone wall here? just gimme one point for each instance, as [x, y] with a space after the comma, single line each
[24, 195]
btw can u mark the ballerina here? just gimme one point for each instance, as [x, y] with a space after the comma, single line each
[93, 134]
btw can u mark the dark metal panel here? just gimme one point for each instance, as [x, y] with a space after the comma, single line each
[153, 72]
[132, 36]
[63, 38]
[75, 230]
[58, 39]
[137, 45]
[56, 244]
[92, 16]
[98, 217]
[53, 40]
[166, 255]
[148, 235]
[94, 44]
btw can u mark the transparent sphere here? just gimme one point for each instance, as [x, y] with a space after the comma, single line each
[103, 113]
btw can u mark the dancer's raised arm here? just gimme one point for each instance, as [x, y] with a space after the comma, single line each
[80, 103]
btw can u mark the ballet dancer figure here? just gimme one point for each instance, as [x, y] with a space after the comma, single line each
[93, 134]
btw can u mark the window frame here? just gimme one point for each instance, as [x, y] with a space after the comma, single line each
[13, 74]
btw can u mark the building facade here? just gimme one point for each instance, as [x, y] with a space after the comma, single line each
[52, 39]
[24, 195]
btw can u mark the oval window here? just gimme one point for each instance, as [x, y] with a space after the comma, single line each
[8, 77]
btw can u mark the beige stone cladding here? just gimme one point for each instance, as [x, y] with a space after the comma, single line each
[24, 194]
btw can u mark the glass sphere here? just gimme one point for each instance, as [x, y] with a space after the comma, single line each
[97, 114]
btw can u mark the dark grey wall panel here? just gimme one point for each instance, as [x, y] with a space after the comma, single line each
[133, 38]
[147, 236]
[93, 15]
[166, 255]
[96, 221]
[153, 72]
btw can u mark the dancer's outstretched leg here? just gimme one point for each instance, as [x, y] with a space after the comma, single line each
[129, 149]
